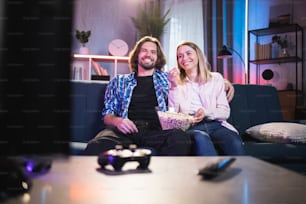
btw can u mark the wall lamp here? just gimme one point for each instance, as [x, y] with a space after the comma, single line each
[227, 53]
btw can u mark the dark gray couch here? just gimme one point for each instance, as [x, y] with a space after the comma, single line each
[252, 105]
[256, 104]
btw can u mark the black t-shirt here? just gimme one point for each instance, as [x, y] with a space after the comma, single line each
[144, 101]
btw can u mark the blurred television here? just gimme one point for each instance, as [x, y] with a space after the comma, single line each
[35, 54]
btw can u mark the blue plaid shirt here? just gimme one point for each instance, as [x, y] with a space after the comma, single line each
[119, 92]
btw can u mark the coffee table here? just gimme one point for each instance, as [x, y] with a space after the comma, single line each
[169, 180]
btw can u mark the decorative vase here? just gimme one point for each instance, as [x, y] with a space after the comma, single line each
[84, 50]
[284, 52]
[275, 50]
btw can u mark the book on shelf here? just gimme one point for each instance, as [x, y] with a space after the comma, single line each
[262, 51]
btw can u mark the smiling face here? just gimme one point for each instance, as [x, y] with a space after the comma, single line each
[147, 56]
[151, 48]
[187, 58]
[192, 63]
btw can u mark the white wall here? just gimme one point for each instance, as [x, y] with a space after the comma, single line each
[107, 20]
[110, 19]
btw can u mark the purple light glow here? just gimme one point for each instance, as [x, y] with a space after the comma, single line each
[29, 167]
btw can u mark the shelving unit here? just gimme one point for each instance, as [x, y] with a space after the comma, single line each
[104, 58]
[261, 35]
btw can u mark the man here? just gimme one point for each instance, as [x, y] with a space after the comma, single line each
[130, 106]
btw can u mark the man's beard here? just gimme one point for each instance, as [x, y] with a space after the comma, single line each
[147, 66]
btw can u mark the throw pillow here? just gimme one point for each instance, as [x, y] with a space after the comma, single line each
[279, 132]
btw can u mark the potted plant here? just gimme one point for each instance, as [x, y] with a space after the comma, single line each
[83, 37]
[283, 43]
[150, 22]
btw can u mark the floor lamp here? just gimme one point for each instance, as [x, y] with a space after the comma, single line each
[226, 53]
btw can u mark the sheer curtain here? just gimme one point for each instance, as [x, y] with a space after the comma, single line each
[210, 24]
[186, 24]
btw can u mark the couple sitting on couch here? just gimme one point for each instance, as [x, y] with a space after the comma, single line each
[131, 101]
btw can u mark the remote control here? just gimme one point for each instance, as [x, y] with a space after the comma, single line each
[216, 168]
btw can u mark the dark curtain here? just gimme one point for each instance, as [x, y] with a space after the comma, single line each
[219, 30]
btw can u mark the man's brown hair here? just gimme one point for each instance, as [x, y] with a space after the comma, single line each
[133, 61]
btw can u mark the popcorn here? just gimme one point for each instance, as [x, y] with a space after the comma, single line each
[173, 120]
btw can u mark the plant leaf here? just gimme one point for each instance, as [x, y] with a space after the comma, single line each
[151, 22]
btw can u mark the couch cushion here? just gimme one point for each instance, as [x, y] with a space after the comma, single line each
[87, 103]
[279, 132]
[253, 105]
[277, 152]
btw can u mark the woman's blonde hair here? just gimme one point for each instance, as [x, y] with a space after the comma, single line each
[204, 69]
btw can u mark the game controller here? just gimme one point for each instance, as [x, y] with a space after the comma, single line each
[118, 157]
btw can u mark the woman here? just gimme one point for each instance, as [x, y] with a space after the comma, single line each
[198, 91]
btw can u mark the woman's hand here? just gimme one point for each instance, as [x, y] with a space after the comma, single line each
[198, 116]
[173, 77]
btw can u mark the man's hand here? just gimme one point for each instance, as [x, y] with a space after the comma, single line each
[124, 125]
[229, 89]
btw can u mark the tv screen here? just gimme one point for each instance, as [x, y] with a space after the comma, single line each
[35, 54]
